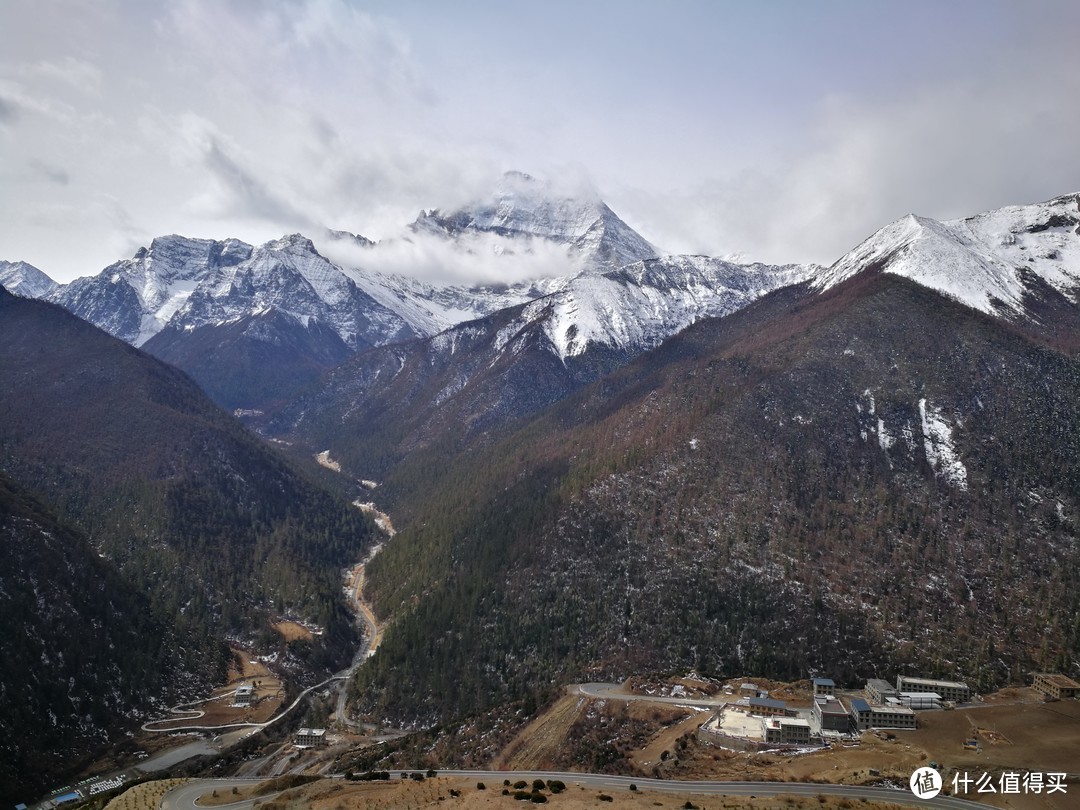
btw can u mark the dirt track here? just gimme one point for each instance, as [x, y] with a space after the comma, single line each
[535, 745]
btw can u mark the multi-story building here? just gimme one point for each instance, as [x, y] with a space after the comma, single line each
[880, 691]
[867, 716]
[786, 730]
[311, 738]
[831, 715]
[949, 690]
[767, 706]
[245, 695]
[824, 686]
[1055, 685]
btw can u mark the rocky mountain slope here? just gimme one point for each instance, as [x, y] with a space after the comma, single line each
[254, 325]
[190, 283]
[862, 473]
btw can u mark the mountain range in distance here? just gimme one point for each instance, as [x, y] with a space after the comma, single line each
[644, 462]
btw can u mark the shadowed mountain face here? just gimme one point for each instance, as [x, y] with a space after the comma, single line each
[83, 649]
[254, 361]
[871, 479]
[210, 529]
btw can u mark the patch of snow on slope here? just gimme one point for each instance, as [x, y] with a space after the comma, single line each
[885, 440]
[938, 443]
[324, 459]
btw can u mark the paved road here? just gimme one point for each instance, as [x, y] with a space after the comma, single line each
[183, 798]
[276, 718]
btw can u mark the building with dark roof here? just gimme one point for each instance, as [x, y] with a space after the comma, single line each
[867, 716]
[767, 706]
[824, 686]
[831, 715]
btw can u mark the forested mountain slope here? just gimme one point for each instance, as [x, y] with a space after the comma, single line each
[81, 653]
[869, 479]
[213, 530]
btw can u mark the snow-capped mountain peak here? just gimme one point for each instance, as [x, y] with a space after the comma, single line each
[523, 207]
[25, 280]
[188, 283]
[986, 261]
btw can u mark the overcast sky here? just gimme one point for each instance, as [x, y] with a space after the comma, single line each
[781, 131]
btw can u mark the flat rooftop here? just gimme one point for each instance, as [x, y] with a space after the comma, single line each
[1058, 679]
[892, 710]
[932, 682]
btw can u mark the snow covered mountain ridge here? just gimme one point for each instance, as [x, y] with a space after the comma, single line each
[989, 262]
[25, 279]
[185, 284]
[188, 283]
[642, 304]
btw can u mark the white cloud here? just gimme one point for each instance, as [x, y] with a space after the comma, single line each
[78, 74]
[251, 118]
[946, 149]
[471, 258]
